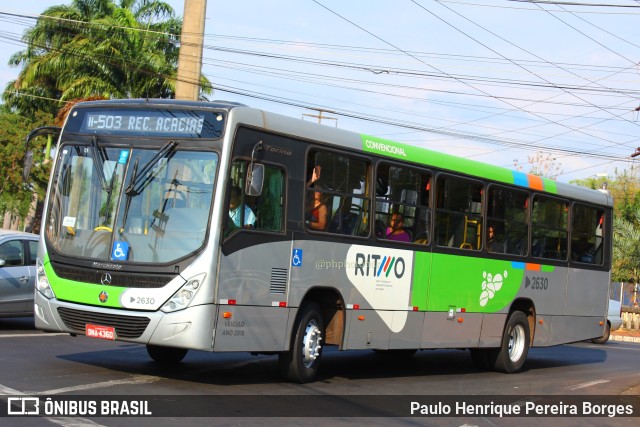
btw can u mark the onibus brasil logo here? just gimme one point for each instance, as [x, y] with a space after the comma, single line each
[490, 285]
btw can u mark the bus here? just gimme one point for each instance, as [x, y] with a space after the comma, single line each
[217, 227]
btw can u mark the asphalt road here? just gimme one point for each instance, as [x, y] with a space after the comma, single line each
[247, 390]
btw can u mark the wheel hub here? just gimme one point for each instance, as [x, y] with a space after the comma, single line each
[311, 343]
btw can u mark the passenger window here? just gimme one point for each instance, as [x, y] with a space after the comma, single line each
[586, 234]
[33, 252]
[458, 213]
[264, 212]
[12, 254]
[507, 221]
[403, 211]
[549, 228]
[336, 196]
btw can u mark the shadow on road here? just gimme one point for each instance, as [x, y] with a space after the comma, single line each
[241, 368]
[17, 324]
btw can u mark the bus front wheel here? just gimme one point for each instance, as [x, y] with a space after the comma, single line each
[514, 348]
[166, 355]
[300, 364]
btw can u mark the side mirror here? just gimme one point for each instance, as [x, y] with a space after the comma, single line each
[28, 157]
[28, 164]
[255, 179]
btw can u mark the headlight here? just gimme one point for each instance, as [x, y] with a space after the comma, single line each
[42, 283]
[181, 299]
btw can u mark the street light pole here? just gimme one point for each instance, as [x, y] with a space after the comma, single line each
[191, 43]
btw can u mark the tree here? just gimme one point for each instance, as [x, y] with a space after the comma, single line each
[16, 196]
[542, 164]
[98, 48]
[626, 249]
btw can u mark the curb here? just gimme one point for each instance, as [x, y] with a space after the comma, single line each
[624, 338]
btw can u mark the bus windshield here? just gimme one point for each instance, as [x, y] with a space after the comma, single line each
[130, 205]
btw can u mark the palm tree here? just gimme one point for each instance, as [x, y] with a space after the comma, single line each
[99, 48]
[626, 249]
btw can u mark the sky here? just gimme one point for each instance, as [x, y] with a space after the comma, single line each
[498, 81]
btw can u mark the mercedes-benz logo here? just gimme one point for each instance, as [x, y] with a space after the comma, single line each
[105, 279]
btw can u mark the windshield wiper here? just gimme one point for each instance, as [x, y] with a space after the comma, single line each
[129, 195]
[134, 187]
[99, 157]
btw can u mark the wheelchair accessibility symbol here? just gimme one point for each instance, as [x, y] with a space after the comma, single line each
[296, 258]
[120, 251]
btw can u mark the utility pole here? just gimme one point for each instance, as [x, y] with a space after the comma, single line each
[320, 117]
[191, 42]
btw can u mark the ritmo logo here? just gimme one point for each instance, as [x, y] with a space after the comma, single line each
[379, 265]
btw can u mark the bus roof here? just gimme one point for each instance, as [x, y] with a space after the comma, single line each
[421, 156]
[374, 145]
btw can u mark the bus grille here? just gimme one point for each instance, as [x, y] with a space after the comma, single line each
[125, 326]
[125, 280]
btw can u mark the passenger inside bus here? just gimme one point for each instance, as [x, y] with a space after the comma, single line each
[395, 231]
[494, 243]
[317, 211]
[236, 211]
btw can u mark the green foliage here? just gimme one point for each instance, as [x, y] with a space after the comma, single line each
[626, 249]
[15, 196]
[106, 48]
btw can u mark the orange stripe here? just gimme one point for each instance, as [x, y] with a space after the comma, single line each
[535, 182]
[533, 267]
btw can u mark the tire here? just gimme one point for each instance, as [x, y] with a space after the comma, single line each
[166, 355]
[301, 363]
[511, 355]
[603, 339]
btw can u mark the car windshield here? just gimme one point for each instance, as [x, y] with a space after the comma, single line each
[130, 205]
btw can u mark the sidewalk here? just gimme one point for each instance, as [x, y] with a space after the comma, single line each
[626, 335]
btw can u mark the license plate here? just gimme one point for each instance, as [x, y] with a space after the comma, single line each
[102, 332]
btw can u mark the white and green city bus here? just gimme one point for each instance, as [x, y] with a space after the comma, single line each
[139, 243]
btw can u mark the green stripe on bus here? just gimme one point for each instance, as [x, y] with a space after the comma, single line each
[404, 152]
[80, 292]
[477, 285]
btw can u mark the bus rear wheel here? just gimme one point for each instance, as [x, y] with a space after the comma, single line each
[301, 363]
[511, 355]
[166, 355]
[603, 339]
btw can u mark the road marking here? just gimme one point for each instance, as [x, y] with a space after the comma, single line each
[32, 335]
[138, 379]
[588, 384]
[62, 421]
[615, 347]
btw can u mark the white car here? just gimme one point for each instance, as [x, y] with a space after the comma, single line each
[614, 321]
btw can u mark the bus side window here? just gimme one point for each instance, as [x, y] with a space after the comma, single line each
[336, 195]
[264, 212]
[458, 212]
[403, 211]
[507, 226]
[586, 234]
[549, 225]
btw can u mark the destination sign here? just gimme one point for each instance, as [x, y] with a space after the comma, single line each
[145, 123]
[161, 122]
